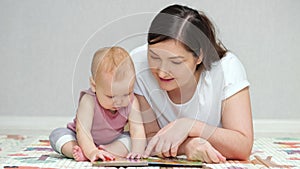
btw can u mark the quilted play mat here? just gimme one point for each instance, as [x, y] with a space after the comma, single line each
[31, 152]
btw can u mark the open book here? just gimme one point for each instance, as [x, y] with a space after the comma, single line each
[151, 161]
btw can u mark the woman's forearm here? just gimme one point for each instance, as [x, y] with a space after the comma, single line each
[232, 144]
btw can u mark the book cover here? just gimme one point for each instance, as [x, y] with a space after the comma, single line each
[173, 162]
[152, 161]
[121, 162]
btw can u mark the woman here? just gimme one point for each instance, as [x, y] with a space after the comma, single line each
[193, 93]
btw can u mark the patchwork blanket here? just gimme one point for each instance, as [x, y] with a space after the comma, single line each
[18, 151]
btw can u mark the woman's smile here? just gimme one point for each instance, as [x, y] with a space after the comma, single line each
[166, 79]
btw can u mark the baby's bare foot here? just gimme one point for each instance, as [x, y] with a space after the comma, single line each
[78, 154]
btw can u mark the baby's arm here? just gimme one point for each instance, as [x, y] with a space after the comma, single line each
[137, 132]
[85, 115]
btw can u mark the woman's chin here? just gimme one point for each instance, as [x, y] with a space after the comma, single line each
[167, 87]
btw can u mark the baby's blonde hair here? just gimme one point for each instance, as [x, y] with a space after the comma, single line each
[114, 60]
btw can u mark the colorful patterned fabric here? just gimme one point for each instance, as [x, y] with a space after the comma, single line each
[35, 152]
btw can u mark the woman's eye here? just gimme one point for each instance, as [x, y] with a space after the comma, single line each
[153, 57]
[177, 63]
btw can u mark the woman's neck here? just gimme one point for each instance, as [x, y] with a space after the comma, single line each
[184, 93]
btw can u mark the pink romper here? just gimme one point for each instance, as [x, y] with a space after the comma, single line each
[106, 126]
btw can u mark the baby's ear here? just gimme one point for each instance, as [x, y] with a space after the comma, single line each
[93, 84]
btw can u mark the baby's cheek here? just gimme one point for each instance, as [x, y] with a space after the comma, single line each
[106, 103]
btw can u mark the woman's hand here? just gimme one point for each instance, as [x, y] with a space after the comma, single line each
[133, 155]
[200, 149]
[166, 142]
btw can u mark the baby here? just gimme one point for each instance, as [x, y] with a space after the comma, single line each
[97, 132]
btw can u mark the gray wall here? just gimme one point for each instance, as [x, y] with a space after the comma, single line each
[46, 48]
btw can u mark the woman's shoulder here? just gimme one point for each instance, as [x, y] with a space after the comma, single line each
[229, 56]
[139, 54]
[231, 63]
[139, 49]
[235, 75]
[139, 58]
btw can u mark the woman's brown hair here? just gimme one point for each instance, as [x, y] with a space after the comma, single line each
[190, 27]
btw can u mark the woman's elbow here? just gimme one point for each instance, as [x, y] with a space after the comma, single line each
[243, 153]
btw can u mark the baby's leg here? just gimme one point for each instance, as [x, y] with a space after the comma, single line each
[116, 148]
[67, 149]
[63, 141]
[72, 150]
[78, 154]
[119, 147]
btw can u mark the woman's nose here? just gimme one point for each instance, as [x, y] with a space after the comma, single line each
[163, 70]
[162, 73]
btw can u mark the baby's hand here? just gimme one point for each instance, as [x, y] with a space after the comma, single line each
[134, 155]
[102, 155]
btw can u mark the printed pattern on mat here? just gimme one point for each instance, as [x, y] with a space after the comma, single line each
[36, 153]
[33, 152]
[277, 152]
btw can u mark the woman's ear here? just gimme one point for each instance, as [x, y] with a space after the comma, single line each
[200, 58]
[93, 84]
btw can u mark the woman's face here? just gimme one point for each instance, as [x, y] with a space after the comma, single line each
[172, 65]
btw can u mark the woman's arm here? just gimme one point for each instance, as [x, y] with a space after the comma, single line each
[235, 139]
[150, 123]
[137, 132]
[196, 148]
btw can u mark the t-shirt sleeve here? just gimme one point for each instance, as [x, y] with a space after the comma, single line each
[137, 89]
[137, 56]
[234, 74]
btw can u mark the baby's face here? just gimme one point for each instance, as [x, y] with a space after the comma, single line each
[114, 94]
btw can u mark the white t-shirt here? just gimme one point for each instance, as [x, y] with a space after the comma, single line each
[225, 78]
